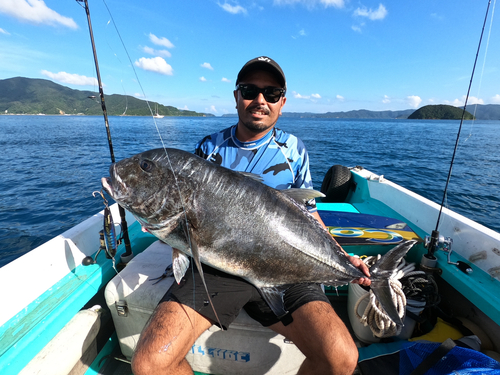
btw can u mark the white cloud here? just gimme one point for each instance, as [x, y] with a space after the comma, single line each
[2, 31]
[154, 64]
[185, 108]
[233, 9]
[203, 79]
[356, 28]
[340, 97]
[333, 3]
[35, 11]
[148, 50]
[160, 41]
[157, 52]
[455, 103]
[378, 14]
[225, 80]
[473, 100]
[296, 95]
[207, 65]
[73, 79]
[413, 101]
[312, 3]
[138, 95]
[461, 102]
[496, 99]
[213, 109]
[386, 100]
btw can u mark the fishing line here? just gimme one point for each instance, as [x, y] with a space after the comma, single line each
[121, 68]
[482, 70]
[462, 120]
[164, 147]
[133, 69]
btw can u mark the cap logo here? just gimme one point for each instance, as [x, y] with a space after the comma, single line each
[266, 59]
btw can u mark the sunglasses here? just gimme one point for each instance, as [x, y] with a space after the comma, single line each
[250, 92]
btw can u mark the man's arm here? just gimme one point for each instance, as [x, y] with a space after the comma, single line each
[358, 263]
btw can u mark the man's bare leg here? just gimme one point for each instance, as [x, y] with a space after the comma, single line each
[323, 338]
[167, 338]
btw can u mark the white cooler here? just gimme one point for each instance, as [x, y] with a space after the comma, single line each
[245, 348]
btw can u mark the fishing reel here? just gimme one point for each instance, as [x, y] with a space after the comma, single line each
[107, 236]
[439, 242]
[110, 252]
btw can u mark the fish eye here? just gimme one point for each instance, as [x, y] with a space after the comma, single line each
[146, 165]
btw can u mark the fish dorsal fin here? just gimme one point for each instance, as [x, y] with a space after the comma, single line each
[180, 264]
[302, 195]
[253, 176]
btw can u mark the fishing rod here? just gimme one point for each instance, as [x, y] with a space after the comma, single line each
[128, 248]
[434, 241]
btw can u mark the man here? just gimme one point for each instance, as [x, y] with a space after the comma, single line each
[253, 145]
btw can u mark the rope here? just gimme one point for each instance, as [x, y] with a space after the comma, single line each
[405, 282]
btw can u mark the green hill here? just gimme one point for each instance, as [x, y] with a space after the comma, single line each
[485, 111]
[439, 112]
[357, 114]
[32, 96]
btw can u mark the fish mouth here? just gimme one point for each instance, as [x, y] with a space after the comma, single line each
[106, 185]
[110, 184]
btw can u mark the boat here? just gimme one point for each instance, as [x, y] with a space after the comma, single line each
[157, 115]
[82, 307]
[70, 316]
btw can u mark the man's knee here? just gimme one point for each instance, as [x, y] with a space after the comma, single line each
[343, 359]
[140, 365]
[145, 361]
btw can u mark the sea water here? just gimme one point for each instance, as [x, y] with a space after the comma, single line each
[50, 165]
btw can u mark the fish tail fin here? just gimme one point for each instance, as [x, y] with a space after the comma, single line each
[381, 272]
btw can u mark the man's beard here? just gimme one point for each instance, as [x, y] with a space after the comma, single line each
[258, 126]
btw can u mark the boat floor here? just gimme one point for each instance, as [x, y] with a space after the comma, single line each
[116, 364]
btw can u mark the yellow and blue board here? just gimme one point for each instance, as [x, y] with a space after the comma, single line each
[362, 234]
[353, 229]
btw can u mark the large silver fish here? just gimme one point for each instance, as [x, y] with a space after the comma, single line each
[237, 224]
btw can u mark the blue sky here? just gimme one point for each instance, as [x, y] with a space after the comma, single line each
[338, 55]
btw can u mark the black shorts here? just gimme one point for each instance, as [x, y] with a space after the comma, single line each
[231, 293]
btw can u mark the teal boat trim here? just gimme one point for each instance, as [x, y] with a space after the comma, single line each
[24, 335]
[107, 349]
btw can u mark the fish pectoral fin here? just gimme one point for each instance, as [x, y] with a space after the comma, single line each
[180, 264]
[302, 195]
[274, 298]
[196, 257]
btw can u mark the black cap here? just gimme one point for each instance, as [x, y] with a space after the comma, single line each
[263, 63]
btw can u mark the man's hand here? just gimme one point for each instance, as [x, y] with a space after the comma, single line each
[358, 263]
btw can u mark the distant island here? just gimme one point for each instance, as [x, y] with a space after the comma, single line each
[21, 95]
[440, 112]
[32, 96]
[483, 112]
